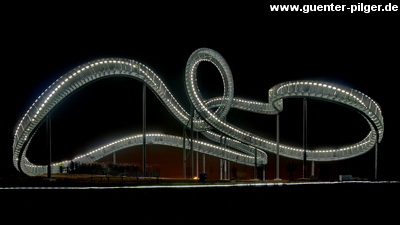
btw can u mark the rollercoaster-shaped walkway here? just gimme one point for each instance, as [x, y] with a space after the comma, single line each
[241, 146]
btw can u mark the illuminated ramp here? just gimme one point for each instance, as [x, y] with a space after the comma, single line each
[242, 144]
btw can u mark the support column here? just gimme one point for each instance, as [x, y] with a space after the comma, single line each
[221, 143]
[376, 158]
[204, 158]
[255, 163]
[197, 157]
[220, 169]
[197, 164]
[313, 168]
[48, 130]
[263, 171]
[184, 152]
[144, 131]
[114, 158]
[277, 146]
[191, 140]
[204, 163]
[229, 170]
[225, 161]
[304, 137]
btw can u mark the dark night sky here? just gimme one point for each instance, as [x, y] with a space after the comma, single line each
[262, 49]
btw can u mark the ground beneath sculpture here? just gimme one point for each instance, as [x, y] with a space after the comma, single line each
[252, 201]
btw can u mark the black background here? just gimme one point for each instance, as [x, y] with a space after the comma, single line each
[41, 42]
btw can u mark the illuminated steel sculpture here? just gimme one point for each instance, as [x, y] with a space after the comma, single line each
[244, 147]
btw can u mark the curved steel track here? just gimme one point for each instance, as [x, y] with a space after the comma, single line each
[242, 144]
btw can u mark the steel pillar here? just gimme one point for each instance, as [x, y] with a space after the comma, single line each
[220, 169]
[313, 168]
[184, 152]
[304, 137]
[197, 157]
[48, 131]
[191, 140]
[263, 171]
[229, 170]
[204, 163]
[255, 163]
[144, 131]
[376, 159]
[277, 146]
[221, 143]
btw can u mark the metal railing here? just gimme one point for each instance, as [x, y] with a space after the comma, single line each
[241, 144]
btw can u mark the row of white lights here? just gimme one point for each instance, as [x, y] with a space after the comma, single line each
[78, 72]
[181, 111]
[93, 152]
[68, 78]
[83, 69]
[238, 142]
[59, 86]
[269, 142]
[333, 88]
[173, 102]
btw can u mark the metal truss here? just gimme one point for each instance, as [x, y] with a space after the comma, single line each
[241, 146]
